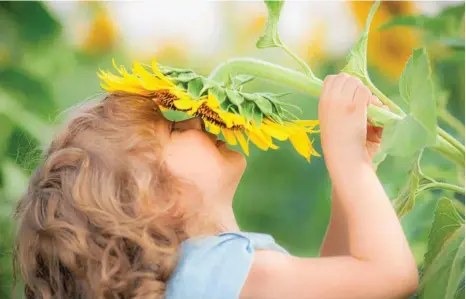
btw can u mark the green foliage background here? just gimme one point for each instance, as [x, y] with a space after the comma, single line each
[41, 74]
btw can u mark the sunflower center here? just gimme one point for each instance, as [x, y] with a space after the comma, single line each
[165, 99]
[206, 113]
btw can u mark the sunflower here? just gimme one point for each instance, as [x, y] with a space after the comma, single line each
[172, 89]
[388, 50]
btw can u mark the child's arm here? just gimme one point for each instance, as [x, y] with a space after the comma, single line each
[379, 263]
[336, 240]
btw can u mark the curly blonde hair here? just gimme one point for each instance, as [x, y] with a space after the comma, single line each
[98, 219]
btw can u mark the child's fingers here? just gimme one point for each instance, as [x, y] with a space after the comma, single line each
[362, 96]
[337, 86]
[350, 87]
[327, 85]
[375, 101]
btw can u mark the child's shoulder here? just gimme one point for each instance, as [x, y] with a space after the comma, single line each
[216, 265]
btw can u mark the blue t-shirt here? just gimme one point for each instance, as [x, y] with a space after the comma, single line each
[216, 267]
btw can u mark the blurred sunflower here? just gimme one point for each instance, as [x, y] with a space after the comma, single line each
[236, 128]
[102, 33]
[390, 49]
[314, 51]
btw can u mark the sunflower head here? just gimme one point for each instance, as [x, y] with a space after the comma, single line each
[242, 118]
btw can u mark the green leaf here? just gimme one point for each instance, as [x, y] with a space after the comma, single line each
[25, 120]
[397, 138]
[15, 179]
[6, 126]
[240, 80]
[264, 105]
[443, 273]
[414, 21]
[185, 77]
[234, 96]
[262, 102]
[357, 59]
[271, 37]
[31, 92]
[248, 110]
[447, 23]
[36, 25]
[455, 44]
[416, 89]
[167, 70]
[406, 199]
[195, 87]
[257, 116]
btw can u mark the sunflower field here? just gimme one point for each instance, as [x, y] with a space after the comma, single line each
[411, 60]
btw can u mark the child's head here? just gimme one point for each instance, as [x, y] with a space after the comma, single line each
[105, 212]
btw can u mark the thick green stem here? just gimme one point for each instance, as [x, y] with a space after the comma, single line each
[266, 70]
[445, 144]
[287, 77]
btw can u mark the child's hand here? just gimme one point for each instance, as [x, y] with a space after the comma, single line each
[345, 131]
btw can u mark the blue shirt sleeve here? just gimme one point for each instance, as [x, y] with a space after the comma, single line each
[217, 266]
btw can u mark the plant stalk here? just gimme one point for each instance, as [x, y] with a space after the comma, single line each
[446, 144]
[452, 121]
[445, 186]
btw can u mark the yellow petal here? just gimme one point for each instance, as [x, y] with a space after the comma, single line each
[229, 136]
[184, 104]
[275, 131]
[148, 81]
[242, 142]
[158, 73]
[274, 146]
[214, 129]
[302, 144]
[258, 139]
[212, 101]
[307, 123]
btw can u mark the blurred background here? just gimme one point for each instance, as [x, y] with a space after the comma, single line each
[50, 52]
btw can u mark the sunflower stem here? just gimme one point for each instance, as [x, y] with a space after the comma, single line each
[445, 144]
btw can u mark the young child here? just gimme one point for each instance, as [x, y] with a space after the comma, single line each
[130, 205]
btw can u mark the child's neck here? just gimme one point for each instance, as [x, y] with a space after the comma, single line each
[214, 218]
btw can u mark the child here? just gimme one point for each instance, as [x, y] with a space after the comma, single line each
[130, 205]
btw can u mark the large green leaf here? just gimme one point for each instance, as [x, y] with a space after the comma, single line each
[36, 25]
[416, 90]
[414, 21]
[445, 27]
[271, 37]
[397, 138]
[31, 92]
[357, 59]
[443, 273]
[27, 121]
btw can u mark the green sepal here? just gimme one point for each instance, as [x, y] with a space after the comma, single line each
[234, 96]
